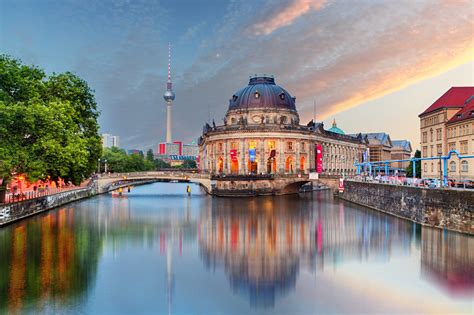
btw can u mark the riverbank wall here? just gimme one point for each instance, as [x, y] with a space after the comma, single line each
[450, 209]
[13, 212]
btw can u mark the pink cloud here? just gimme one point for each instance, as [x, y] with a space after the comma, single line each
[287, 15]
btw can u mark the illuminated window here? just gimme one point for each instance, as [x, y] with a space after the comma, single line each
[257, 94]
[233, 145]
[252, 144]
[219, 146]
[271, 145]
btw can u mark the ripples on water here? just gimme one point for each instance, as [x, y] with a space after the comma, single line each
[156, 250]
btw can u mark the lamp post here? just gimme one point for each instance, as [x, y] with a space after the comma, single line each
[105, 171]
[98, 166]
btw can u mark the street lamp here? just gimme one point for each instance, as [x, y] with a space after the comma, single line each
[98, 166]
[105, 167]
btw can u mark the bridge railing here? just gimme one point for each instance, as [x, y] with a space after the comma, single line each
[167, 174]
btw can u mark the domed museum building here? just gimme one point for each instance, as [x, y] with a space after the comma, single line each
[262, 134]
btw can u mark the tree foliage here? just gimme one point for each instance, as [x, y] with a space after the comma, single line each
[48, 124]
[409, 169]
[161, 164]
[150, 156]
[119, 162]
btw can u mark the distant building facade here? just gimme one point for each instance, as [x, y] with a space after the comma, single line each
[383, 148]
[401, 150]
[135, 151]
[109, 141]
[448, 124]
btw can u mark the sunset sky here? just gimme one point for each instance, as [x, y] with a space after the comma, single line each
[372, 65]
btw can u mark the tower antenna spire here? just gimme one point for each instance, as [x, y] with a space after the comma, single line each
[169, 84]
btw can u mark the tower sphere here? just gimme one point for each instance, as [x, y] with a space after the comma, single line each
[169, 96]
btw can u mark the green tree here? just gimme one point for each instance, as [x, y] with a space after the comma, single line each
[189, 164]
[150, 156]
[409, 169]
[161, 164]
[119, 162]
[48, 125]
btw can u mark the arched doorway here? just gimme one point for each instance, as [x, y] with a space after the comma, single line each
[234, 167]
[252, 166]
[271, 166]
[220, 165]
[289, 165]
[302, 164]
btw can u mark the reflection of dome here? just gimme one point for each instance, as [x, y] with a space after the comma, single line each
[335, 129]
[262, 92]
[263, 278]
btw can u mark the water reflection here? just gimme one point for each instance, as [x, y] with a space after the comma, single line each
[60, 261]
[263, 242]
[448, 259]
[52, 257]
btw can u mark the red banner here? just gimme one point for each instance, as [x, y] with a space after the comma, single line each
[319, 158]
[233, 155]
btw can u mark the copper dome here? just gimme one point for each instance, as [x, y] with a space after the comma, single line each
[262, 92]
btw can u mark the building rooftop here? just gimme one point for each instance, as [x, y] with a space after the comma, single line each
[403, 144]
[467, 112]
[262, 92]
[455, 97]
[378, 138]
[335, 129]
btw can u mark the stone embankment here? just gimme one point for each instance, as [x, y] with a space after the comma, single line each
[450, 209]
[15, 211]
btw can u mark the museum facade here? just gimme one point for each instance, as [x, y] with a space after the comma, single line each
[262, 134]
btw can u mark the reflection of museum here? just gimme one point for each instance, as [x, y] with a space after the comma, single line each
[262, 134]
[263, 244]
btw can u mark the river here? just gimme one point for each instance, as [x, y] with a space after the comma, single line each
[157, 251]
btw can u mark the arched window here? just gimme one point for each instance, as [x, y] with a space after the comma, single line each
[464, 166]
[452, 166]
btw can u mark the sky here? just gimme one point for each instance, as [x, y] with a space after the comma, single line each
[371, 65]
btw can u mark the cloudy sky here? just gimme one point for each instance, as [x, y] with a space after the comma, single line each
[372, 65]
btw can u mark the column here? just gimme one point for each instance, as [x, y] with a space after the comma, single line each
[281, 157]
[226, 157]
[297, 155]
[242, 166]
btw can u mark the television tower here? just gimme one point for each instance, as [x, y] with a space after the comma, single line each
[169, 98]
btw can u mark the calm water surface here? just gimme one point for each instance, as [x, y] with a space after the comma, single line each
[157, 250]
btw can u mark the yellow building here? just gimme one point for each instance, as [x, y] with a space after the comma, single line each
[448, 124]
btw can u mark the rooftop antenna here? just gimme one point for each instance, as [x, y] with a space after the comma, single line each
[168, 85]
[314, 111]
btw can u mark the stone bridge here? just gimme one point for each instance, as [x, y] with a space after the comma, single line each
[106, 183]
[228, 186]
